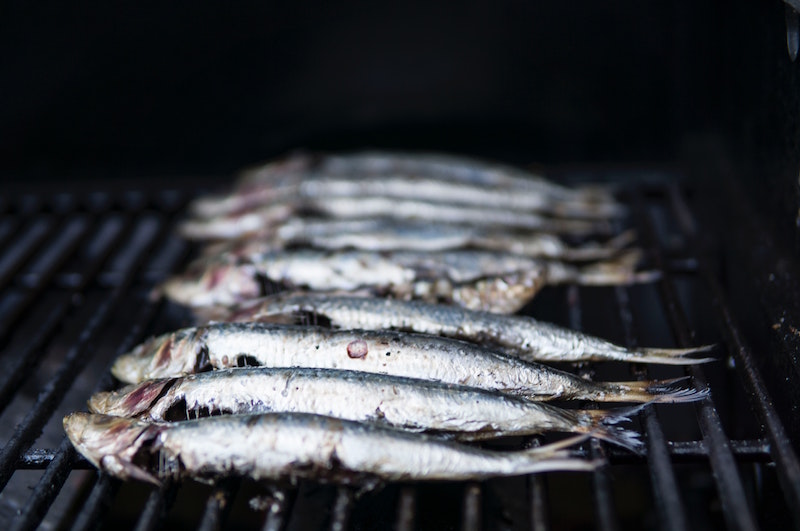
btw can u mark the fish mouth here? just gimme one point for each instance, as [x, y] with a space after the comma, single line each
[116, 445]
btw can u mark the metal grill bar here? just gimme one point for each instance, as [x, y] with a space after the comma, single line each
[788, 467]
[98, 502]
[278, 510]
[54, 390]
[26, 244]
[736, 509]
[723, 454]
[601, 482]
[671, 511]
[471, 512]
[342, 507]
[156, 507]
[218, 505]
[49, 486]
[406, 508]
[20, 367]
[60, 465]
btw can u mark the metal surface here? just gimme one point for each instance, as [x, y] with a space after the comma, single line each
[75, 273]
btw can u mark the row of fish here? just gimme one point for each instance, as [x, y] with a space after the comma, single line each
[360, 372]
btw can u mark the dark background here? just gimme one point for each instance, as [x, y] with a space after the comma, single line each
[188, 87]
[94, 90]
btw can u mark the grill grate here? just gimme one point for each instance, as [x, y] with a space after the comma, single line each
[75, 271]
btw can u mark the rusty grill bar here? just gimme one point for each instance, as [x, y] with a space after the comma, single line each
[75, 272]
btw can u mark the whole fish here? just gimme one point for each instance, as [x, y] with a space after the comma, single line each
[517, 335]
[353, 175]
[294, 446]
[414, 405]
[391, 235]
[425, 357]
[263, 218]
[481, 280]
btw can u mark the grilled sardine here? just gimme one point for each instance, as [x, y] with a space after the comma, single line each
[481, 280]
[293, 446]
[517, 335]
[418, 356]
[413, 405]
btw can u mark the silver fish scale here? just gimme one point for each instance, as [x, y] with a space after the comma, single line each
[398, 354]
[295, 446]
[406, 403]
[525, 337]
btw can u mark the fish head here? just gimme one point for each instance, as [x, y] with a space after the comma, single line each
[181, 352]
[131, 400]
[218, 282]
[112, 443]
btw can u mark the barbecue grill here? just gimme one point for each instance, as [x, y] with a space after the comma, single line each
[77, 269]
[716, 210]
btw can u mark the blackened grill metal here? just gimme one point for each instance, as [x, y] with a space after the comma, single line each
[96, 253]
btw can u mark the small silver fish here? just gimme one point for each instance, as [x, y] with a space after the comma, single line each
[392, 235]
[266, 217]
[517, 335]
[466, 413]
[481, 280]
[294, 446]
[425, 357]
[409, 176]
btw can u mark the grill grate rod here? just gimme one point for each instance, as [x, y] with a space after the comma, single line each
[601, 481]
[278, 510]
[19, 369]
[537, 489]
[47, 489]
[406, 509]
[736, 510]
[471, 507]
[44, 493]
[218, 505]
[342, 508]
[155, 508]
[670, 507]
[54, 390]
[780, 448]
[97, 503]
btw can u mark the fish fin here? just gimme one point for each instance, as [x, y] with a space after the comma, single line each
[667, 392]
[619, 271]
[125, 469]
[555, 456]
[600, 251]
[603, 424]
[672, 356]
[556, 448]
[656, 391]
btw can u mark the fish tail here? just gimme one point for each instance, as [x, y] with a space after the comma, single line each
[601, 251]
[657, 391]
[556, 457]
[587, 208]
[619, 271]
[603, 424]
[671, 356]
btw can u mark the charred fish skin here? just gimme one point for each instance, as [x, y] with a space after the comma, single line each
[404, 403]
[293, 446]
[426, 357]
[520, 336]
